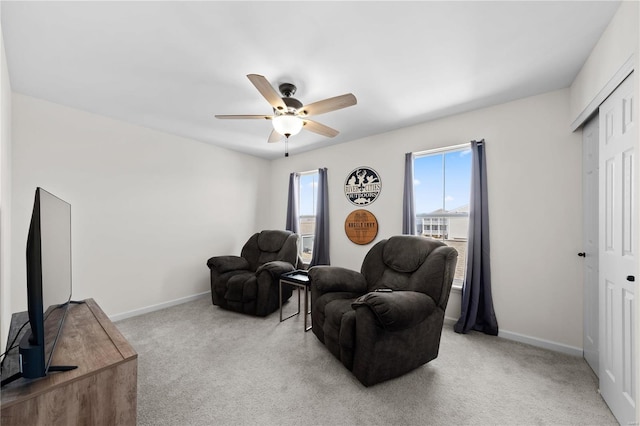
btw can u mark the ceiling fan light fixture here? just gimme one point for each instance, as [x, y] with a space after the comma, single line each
[287, 124]
[289, 114]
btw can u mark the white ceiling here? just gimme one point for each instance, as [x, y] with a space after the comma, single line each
[172, 65]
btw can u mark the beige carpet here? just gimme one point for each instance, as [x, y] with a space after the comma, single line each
[201, 365]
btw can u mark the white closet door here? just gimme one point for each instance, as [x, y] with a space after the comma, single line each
[618, 247]
[590, 148]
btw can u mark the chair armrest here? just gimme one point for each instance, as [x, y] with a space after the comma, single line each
[275, 268]
[334, 278]
[224, 264]
[397, 310]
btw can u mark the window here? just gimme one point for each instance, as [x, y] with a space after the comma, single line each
[442, 189]
[307, 210]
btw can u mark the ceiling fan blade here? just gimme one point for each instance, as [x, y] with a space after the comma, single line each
[321, 129]
[264, 117]
[327, 105]
[274, 137]
[266, 89]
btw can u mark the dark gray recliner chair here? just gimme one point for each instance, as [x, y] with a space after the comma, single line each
[379, 335]
[249, 283]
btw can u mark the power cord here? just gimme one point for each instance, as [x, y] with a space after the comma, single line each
[11, 346]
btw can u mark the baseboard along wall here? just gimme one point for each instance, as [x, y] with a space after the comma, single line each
[533, 341]
[157, 307]
[509, 335]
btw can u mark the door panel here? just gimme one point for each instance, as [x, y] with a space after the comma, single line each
[628, 342]
[590, 137]
[609, 180]
[619, 252]
[609, 327]
[628, 158]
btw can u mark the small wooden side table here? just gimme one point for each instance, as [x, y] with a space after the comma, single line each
[300, 280]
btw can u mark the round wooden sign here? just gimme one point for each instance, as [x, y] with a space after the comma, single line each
[361, 226]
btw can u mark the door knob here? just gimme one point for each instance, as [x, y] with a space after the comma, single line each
[631, 278]
[583, 254]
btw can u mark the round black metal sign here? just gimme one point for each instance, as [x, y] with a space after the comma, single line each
[362, 186]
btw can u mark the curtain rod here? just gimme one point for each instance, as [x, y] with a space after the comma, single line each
[443, 149]
[308, 172]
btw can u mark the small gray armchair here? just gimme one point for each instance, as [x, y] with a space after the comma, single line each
[249, 283]
[386, 320]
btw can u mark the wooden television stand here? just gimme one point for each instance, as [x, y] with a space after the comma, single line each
[101, 391]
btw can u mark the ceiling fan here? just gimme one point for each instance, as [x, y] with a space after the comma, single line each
[289, 114]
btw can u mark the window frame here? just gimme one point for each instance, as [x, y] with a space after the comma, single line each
[302, 235]
[457, 282]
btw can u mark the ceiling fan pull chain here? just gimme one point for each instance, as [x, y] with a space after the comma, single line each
[286, 146]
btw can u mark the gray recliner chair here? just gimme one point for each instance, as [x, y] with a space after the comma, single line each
[386, 320]
[249, 283]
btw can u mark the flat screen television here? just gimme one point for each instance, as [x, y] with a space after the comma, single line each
[48, 282]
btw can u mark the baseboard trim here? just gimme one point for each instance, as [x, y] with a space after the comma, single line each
[509, 335]
[533, 341]
[159, 306]
[541, 343]
[450, 321]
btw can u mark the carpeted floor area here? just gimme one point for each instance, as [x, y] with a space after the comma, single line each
[201, 365]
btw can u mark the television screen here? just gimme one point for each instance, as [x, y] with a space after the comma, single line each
[55, 230]
[48, 280]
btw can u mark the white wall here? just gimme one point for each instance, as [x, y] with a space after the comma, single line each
[148, 208]
[534, 184]
[618, 47]
[617, 44]
[5, 197]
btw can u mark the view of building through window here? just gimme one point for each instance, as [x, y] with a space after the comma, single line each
[442, 188]
[307, 210]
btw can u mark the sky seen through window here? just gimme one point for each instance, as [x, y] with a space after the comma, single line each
[442, 178]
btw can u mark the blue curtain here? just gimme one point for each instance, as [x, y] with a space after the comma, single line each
[408, 202]
[293, 224]
[321, 236]
[477, 303]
